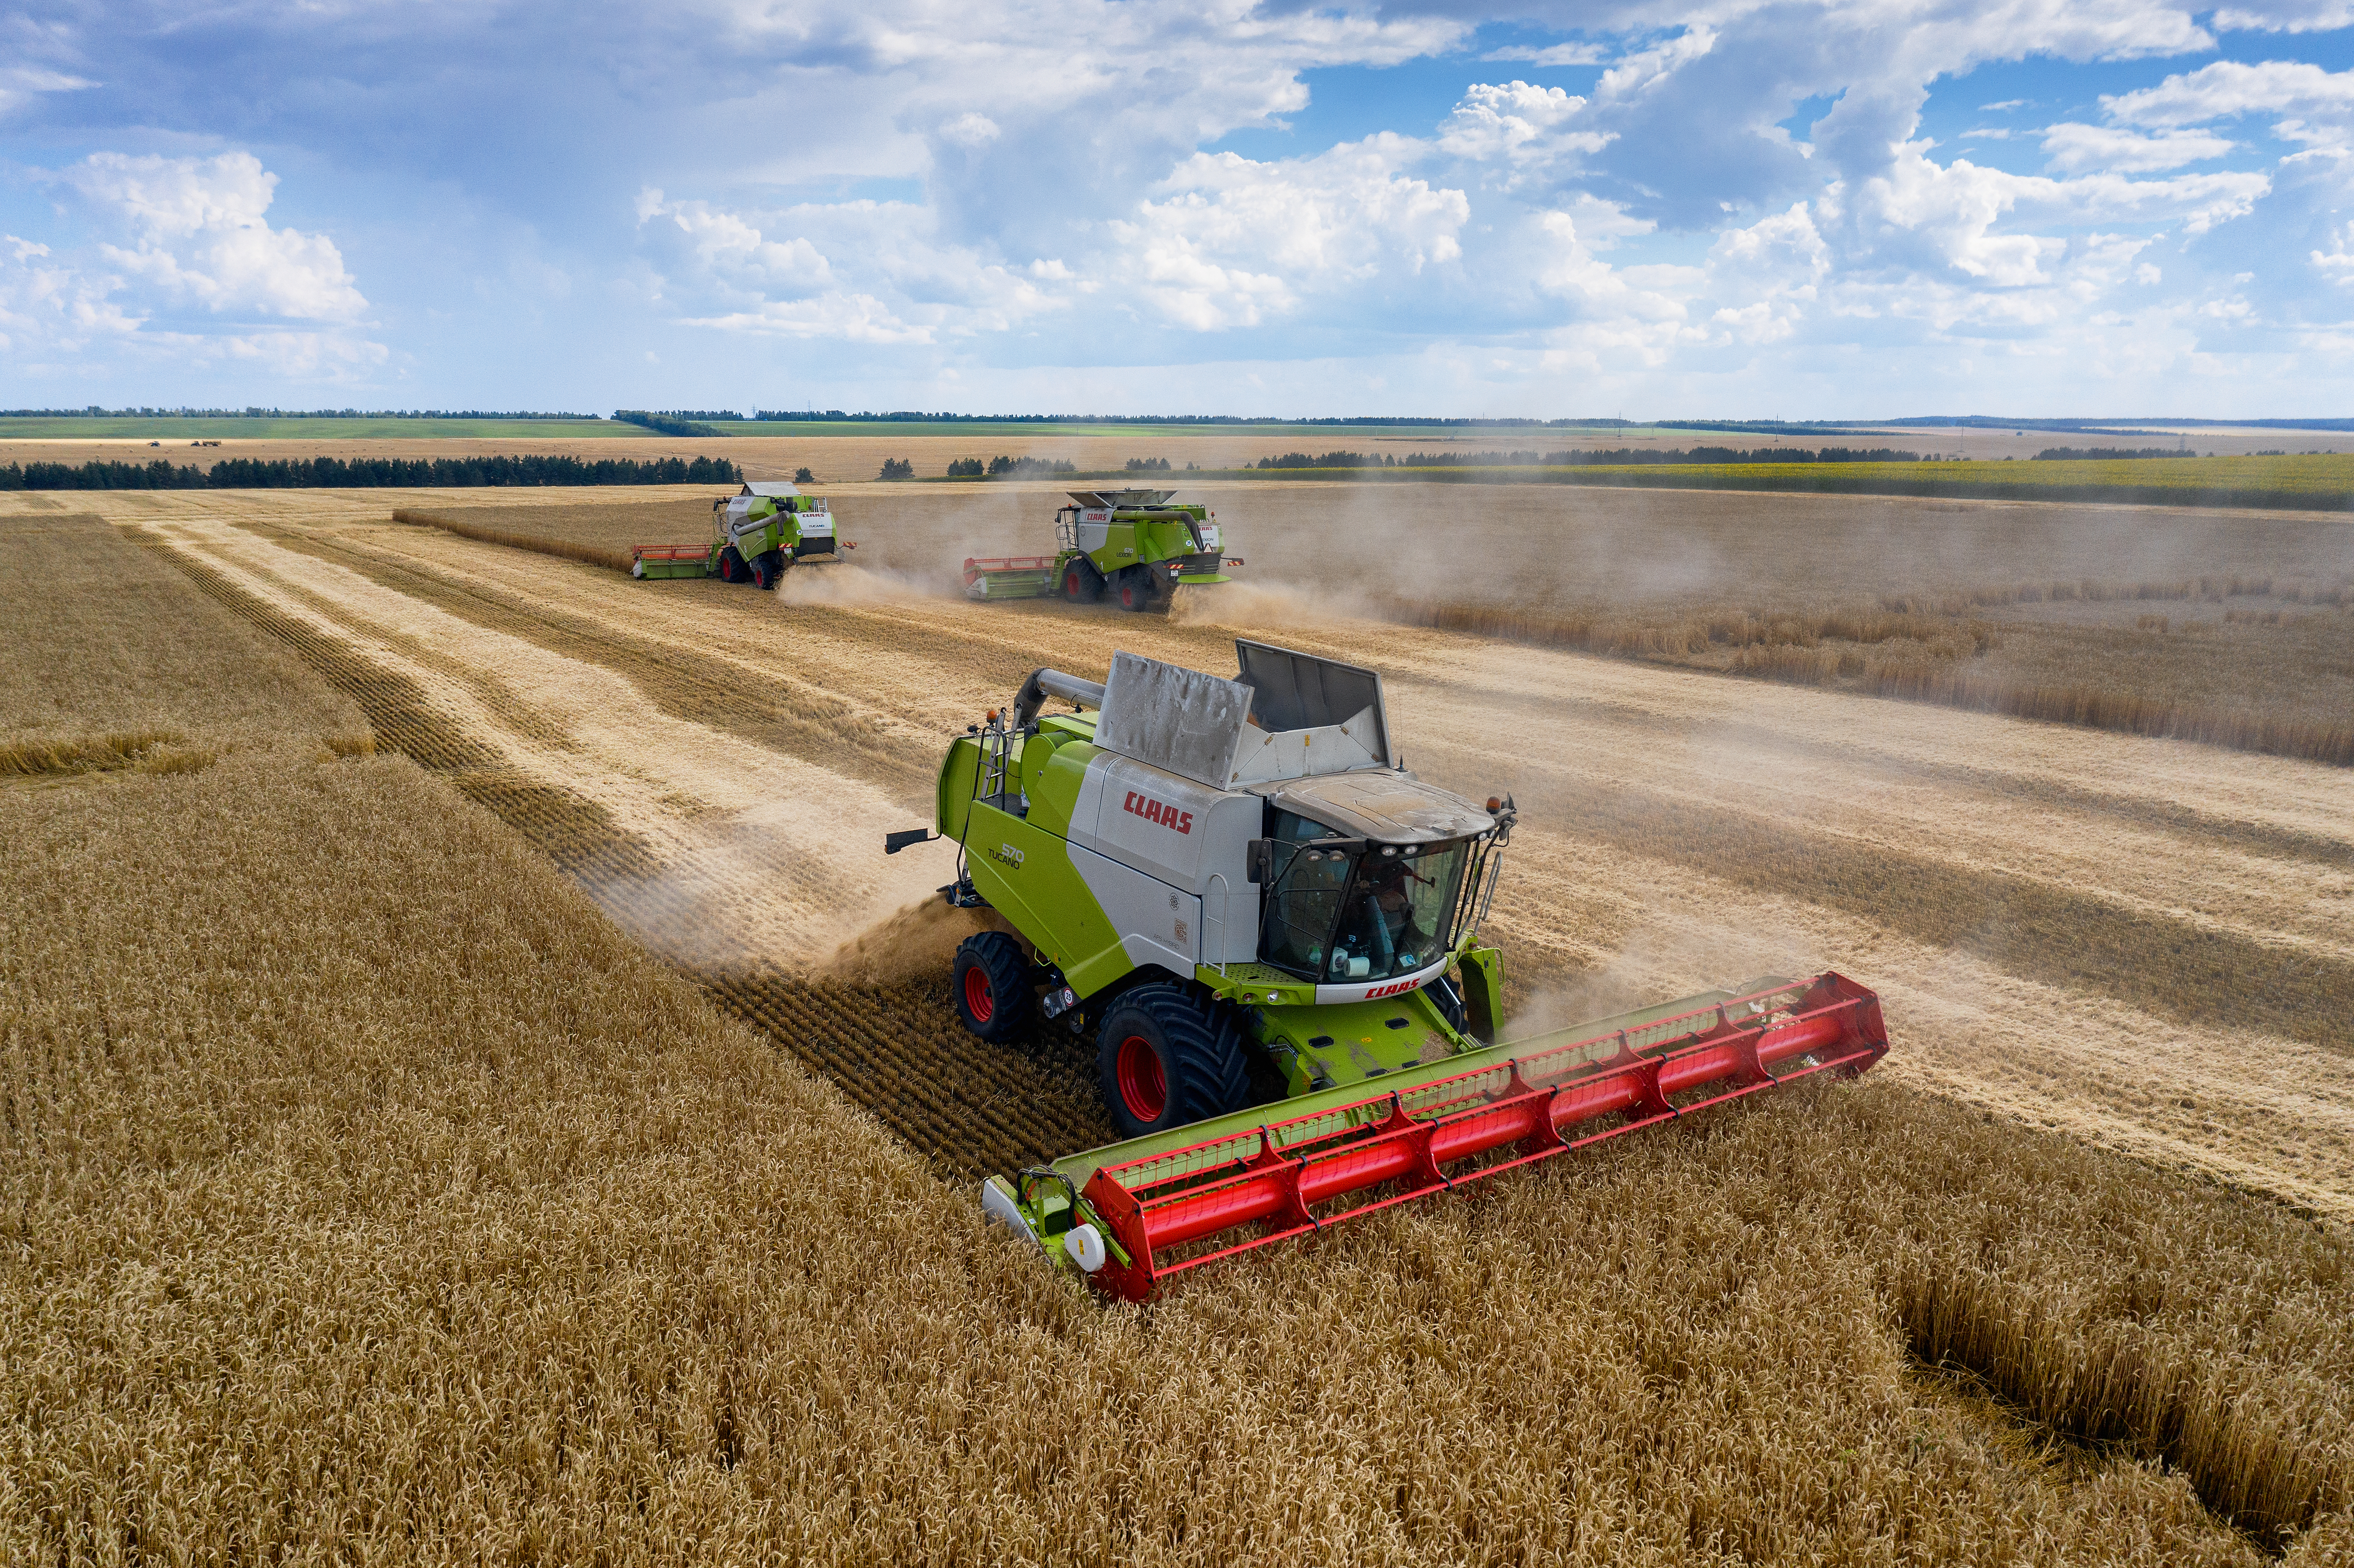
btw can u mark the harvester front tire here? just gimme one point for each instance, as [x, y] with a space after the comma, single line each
[1082, 583]
[993, 985]
[1166, 1059]
[732, 568]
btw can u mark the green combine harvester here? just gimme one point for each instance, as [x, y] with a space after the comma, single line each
[756, 535]
[1272, 930]
[1129, 544]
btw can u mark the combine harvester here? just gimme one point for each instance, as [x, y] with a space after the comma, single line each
[1130, 544]
[1258, 909]
[756, 535]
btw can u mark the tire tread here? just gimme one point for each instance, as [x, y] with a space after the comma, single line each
[1001, 958]
[1211, 1062]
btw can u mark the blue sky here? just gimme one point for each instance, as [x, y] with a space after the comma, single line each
[1756, 208]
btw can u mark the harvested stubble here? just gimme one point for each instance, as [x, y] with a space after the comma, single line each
[976, 1109]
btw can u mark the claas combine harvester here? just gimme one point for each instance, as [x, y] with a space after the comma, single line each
[1272, 929]
[1129, 545]
[756, 535]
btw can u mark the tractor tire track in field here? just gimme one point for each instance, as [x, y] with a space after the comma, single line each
[976, 1108]
[805, 720]
[897, 1050]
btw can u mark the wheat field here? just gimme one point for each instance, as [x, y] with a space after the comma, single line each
[2231, 629]
[448, 1123]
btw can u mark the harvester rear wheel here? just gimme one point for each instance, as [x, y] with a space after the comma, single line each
[768, 570]
[1082, 583]
[993, 985]
[1166, 1058]
[1135, 589]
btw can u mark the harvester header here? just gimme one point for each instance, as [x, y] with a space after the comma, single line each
[1272, 929]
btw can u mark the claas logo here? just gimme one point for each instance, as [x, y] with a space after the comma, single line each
[1153, 811]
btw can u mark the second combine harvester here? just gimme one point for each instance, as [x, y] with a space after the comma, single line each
[1273, 929]
[1129, 545]
[756, 535]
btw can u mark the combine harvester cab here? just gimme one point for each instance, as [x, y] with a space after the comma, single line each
[756, 535]
[1131, 546]
[1271, 929]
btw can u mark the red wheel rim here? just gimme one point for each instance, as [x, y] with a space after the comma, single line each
[1141, 1087]
[977, 999]
[1071, 585]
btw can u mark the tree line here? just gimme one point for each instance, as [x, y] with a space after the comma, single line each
[1609, 457]
[675, 423]
[255, 412]
[366, 473]
[999, 467]
[2106, 454]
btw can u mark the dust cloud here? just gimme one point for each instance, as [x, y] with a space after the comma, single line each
[1657, 960]
[1267, 607]
[917, 941]
[845, 584]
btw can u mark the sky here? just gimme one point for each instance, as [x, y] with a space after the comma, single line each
[1747, 208]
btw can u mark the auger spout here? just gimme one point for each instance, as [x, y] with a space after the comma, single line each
[1043, 683]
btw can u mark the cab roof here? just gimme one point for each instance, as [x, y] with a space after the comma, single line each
[1391, 808]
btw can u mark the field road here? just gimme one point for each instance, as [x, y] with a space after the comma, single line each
[2148, 943]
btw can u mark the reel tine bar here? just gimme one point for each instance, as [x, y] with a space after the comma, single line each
[1158, 1203]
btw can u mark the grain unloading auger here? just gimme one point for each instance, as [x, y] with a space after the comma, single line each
[1273, 928]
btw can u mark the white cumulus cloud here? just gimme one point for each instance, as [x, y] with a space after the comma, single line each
[200, 237]
[853, 318]
[2337, 263]
[1519, 125]
[1234, 241]
[2314, 106]
[726, 247]
[2073, 148]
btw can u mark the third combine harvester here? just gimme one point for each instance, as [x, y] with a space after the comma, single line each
[1261, 914]
[1131, 544]
[755, 537]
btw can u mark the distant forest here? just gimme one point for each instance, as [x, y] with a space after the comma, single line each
[1608, 456]
[95, 412]
[366, 473]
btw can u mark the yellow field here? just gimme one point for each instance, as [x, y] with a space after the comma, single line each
[2211, 624]
[369, 1185]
